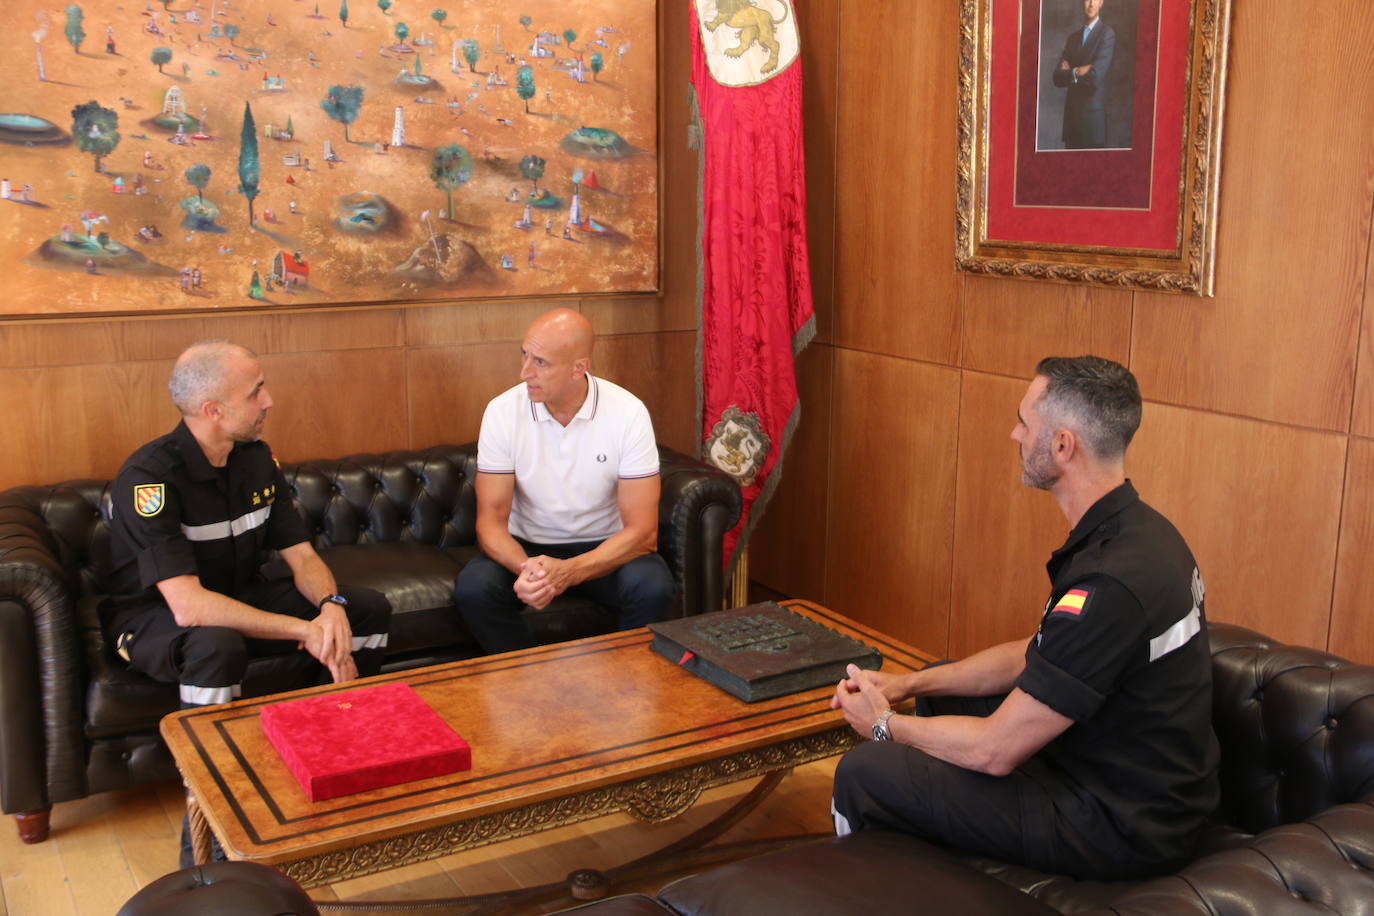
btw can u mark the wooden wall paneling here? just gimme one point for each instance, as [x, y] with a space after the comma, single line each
[1352, 623]
[1278, 342]
[1009, 325]
[335, 403]
[820, 36]
[660, 369]
[447, 388]
[80, 421]
[644, 314]
[1362, 417]
[892, 477]
[896, 290]
[788, 548]
[1259, 505]
[81, 341]
[310, 330]
[1004, 531]
[112, 340]
[474, 322]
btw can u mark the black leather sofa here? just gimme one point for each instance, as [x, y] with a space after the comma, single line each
[1294, 833]
[75, 721]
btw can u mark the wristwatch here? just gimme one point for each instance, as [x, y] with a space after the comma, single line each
[880, 730]
[340, 600]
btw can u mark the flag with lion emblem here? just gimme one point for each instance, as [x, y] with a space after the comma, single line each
[755, 287]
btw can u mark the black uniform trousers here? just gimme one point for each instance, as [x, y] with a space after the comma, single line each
[1029, 817]
[209, 662]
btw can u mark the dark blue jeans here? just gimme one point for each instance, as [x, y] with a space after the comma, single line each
[640, 592]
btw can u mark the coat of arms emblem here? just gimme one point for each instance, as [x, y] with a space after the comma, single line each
[738, 445]
[148, 499]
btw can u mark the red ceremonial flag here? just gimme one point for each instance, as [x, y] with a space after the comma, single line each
[756, 313]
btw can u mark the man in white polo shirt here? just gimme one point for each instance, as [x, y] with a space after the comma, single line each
[567, 494]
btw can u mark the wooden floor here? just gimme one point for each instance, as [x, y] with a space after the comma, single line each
[105, 848]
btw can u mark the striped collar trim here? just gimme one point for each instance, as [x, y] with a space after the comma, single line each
[540, 411]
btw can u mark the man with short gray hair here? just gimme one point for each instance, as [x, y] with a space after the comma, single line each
[194, 515]
[1087, 749]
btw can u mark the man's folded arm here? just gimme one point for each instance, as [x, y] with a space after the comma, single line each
[996, 744]
[194, 605]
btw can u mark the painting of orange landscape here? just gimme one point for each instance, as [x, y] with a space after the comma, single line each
[208, 154]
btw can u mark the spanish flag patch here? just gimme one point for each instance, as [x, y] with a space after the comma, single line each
[1072, 602]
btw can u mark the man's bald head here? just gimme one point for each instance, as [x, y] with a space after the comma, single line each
[199, 373]
[566, 330]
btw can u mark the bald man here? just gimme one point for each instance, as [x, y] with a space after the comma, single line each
[194, 515]
[567, 494]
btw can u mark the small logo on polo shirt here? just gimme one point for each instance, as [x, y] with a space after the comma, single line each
[149, 499]
[601, 459]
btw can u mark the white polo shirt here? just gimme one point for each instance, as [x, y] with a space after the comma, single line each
[566, 477]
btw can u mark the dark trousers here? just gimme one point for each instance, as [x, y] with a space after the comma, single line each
[1029, 817]
[639, 592]
[209, 662]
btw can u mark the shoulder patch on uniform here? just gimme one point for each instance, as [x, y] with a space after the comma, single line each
[149, 498]
[1074, 602]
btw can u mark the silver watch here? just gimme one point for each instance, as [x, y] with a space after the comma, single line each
[880, 730]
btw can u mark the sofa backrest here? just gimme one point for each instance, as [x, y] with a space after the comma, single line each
[1296, 728]
[423, 495]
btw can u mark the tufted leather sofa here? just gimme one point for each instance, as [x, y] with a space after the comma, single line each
[75, 721]
[1294, 833]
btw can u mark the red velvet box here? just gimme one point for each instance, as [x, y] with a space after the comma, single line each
[363, 739]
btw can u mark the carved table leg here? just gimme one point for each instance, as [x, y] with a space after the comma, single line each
[200, 830]
[33, 825]
[594, 884]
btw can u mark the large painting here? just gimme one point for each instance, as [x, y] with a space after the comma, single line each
[1090, 140]
[165, 155]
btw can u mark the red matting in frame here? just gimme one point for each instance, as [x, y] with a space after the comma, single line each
[1095, 178]
[1155, 227]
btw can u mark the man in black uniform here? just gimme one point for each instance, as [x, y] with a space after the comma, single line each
[1089, 749]
[194, 514]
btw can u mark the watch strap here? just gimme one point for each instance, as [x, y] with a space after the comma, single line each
[336, 598]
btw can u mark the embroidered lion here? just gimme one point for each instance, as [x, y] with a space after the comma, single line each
[755, 26]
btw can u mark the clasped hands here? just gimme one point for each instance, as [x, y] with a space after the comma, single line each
[542, 579]
[330, 641]
[865, 695]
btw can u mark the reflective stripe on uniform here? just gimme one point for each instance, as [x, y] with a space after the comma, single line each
[1176, 636]
[842, 827]
[217, 531]
[208, 696]
[375, 641]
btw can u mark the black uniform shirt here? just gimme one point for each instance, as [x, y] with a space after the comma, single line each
[174, 514]
[1122, 650]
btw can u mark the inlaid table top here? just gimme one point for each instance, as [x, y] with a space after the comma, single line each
[559, 734]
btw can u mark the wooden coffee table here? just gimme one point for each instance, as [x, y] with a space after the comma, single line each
[559, 734]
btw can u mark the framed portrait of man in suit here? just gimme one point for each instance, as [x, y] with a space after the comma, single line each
[1090, 140]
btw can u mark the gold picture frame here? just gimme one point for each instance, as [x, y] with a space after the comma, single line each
[1146, 215]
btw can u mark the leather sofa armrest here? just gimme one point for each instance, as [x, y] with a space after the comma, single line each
[42, 672]
[1319, 865]
[697, 505]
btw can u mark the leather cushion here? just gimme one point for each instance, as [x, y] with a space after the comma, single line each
[863, 873]
[228, 888]
[418, 581]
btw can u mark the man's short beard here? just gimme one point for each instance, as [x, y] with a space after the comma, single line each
[1037, 469]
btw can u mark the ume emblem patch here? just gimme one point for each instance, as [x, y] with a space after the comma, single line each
[149, 499]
